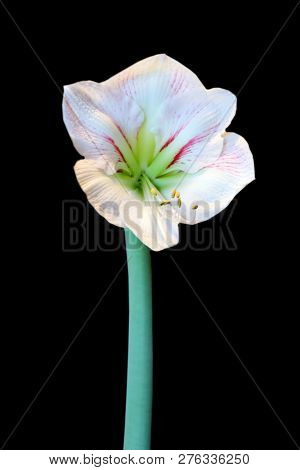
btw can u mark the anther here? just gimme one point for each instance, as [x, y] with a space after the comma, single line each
[179, 202]
[153, 191]
[164, 203]
[173, 193]
[177, 194]
[195, 206]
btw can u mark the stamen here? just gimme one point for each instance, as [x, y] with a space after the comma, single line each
[177, 194]
[163, 203]
[173, 193]
[153, 191]
[195, 206]
[179, 201]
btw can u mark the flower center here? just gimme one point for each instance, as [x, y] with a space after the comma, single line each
[138, 174]
[135, 173]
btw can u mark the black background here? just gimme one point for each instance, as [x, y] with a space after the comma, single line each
[203, 398]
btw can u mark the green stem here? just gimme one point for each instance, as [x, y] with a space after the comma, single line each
[139, 373]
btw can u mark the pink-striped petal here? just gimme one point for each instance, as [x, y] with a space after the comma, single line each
[123, 110]
[212, 188]
[189, 129]
[153, 80]
[94, 134]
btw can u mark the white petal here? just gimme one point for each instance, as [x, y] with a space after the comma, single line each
[175, 114]
[93, 133]
[123, 110]
[214, 187]
[153, 80]
[188, 128]
[151, 223]
[104, 193]
[107, 164]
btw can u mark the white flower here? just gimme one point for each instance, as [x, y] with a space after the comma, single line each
[155, 147]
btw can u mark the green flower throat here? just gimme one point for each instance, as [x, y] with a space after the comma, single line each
[144, 169]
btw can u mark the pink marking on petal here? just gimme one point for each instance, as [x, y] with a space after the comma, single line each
[170, 139]
[75, 120]
[175, 83]
[123, 135]
[185, 149]
[118, 151]
[195, 140]
[230, 162]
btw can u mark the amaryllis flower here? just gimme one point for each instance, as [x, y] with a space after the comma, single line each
[155, 147]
